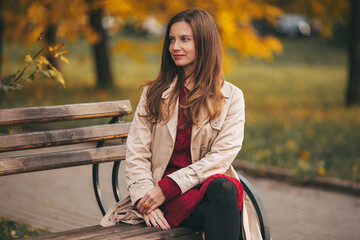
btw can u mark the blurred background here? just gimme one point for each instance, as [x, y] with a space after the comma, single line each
[296, 61]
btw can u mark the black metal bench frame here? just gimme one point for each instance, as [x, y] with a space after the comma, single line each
[116, 110]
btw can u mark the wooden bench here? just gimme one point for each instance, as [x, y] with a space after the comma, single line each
[116, 130]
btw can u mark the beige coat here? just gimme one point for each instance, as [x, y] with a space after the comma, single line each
[214, 146]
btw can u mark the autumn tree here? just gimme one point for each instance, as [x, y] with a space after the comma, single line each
[26, 19]
[1, 34]
[353, 87]
[326, 12]
[234, 18]
[100, 48]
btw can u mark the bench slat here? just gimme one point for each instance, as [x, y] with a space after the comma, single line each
[82, 232]
[66, 233]
[122, 231]
[16, 116]
[39, 162]
[96, 232]
[176, 233]
[63, 137]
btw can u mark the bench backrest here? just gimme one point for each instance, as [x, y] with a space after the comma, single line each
[63, 158]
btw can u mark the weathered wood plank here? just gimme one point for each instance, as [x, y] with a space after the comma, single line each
[63, 137]
[16, 116]
[95, 233]
[195, 236]
[176, 233]
[39, 162]
[66, 233]
[71, 234]
[144, 232]
[123, 231]
[108, 233]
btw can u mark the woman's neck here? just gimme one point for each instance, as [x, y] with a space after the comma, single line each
[189, 83]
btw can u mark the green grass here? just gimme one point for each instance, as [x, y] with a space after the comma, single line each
[295, 113]
[13, 230]
[296, 117]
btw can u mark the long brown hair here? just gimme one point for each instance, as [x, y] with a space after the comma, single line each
[207, 72]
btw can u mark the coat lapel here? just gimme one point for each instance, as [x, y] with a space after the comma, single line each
[202, 122]
[173, 121]
[203, 115]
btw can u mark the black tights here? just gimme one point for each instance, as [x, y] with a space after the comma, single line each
[218, 213]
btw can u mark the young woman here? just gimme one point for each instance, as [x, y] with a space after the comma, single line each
[186, 131]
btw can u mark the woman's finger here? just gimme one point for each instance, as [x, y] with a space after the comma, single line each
[154, 205]
[153, 221]
[146, 218]
[143, 205]
[160, 214]
[161, 224]
[140, 203]
[152, 199]
[140, 209]
[161, 219]
[165, 223]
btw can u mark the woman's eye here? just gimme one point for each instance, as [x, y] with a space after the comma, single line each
[171, 40]
[185, 39]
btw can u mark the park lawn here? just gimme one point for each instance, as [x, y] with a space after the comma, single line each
[10, 229]
[295, 113]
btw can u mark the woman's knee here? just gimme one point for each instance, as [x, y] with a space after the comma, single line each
[221, 190]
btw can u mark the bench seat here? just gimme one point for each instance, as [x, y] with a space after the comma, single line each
[123, 231]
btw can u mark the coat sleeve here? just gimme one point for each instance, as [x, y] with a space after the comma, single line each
[138, 154]
[223, 151]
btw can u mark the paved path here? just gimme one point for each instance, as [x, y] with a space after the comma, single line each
[63, 199]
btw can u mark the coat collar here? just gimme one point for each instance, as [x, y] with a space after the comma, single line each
[173, 121]
[166, 94]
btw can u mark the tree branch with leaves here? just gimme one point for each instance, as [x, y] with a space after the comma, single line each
[36, 65]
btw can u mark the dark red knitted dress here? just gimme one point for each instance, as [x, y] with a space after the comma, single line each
[179, 207]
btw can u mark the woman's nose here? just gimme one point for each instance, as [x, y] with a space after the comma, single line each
[176, 45]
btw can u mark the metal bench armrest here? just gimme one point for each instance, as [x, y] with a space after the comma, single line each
[259, 207]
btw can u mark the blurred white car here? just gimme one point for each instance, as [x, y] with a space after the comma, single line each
[293, 25]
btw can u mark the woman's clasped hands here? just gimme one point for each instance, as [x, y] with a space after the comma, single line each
[149, 204]
[156, 218]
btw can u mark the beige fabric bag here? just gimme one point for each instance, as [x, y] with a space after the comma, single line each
[122, 211]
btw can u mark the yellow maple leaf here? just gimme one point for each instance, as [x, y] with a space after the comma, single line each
[28, 60]
[64, 59]
[321, 172]
[43, 61]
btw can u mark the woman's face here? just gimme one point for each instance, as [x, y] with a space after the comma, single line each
[182, 45]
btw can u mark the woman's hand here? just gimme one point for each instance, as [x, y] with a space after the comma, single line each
[156, 218]
[151, 200]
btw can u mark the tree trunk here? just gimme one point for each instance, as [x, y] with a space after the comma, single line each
[353, 88]
[102, 62]
[2, 26]
[50, 38]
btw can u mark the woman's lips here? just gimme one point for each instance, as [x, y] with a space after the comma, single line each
[178, 56]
